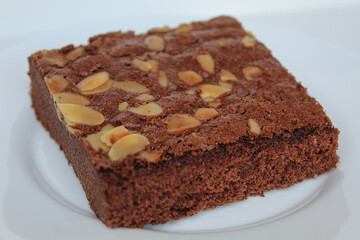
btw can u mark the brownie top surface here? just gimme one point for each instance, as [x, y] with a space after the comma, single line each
[183, 89]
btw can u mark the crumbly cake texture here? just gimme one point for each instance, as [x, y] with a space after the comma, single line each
[162, 125]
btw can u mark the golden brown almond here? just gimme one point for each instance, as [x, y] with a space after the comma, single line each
[227, 76]
[77, 114]
[212, 91]
[95, 138]
[191, 91]
[65, 97]
[181, 122]
[72, 130]
[154, 65]
[150, 109]
[132, 87]
[163, 81]
[225, 84]
[248, 41]
[142, 65]
[123, 106]
[251, 72]
[145, 97]
[55, 83]
[184, 28]
[127, 145]
[150, 156]
[251, 34]
[206, 113]
[113, 135]
[190, 77]
[74, 54]
[254, 126]
[194, 135]
[206, 62]
[54, 57]
[214, 104]
[160, 29]
[93, 81]
[222, 42]
[101, 88]
[155, 43]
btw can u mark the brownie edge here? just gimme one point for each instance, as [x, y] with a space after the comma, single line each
[259, 131]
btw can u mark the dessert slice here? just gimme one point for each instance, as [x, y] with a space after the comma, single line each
[162, 125]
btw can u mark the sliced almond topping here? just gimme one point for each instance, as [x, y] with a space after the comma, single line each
[142, 65]
[150, 156]
[93, 81]
[222, 42]
[132, 87]
[150, 109]
[227, 76]
[250, 33]
[65, 97]
[205, 113]
[254, 126]
[73, 130]
[185, 28]
[155, 43]
[206, 62]
[154, 65]
[213, 91]
[74, 54]
[251, 72]
[191, 91]
[190, 77]
[123, 106]
[54, 57]
[127, 145]
[77, 114]
[194, 135]
[145, 97]
[248, 41]
[163, 81]
[181, 122]
[160, 29]
[95, 138]
[55, 83]
[214, 104]
[207, 99]
[110, 137]
[101, 88]
[225, 84]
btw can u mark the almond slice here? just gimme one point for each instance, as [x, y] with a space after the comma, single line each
[213, 91]
[160, 29]
[93, 81]
[214, 104]
[206, 113]
[163, 81]
[74, 54]
[150, 156]
[181, 122]
[54, 57]
[95, 138]
[190, 77]
[145, 97]
[123, 106]
[110, 137]
[154, 65]
[127, 145]
[227, 76]
[142, 65]
[150, 109]
[254, 126]
[55, 83]
[248, 41]
[65, 97]
[101, 88]
[77, 114]
[155, 43]
[225, 84]
[206, 62]
[251, 72]
[184, 28]
[222, 42]
[132, 87]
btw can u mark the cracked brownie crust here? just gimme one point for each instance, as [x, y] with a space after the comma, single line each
[161, 125]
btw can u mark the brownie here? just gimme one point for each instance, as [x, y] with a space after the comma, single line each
[162, 125]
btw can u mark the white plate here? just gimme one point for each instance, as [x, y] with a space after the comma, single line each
[40, 198]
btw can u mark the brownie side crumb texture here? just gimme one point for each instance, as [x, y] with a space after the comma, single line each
[265, 132]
